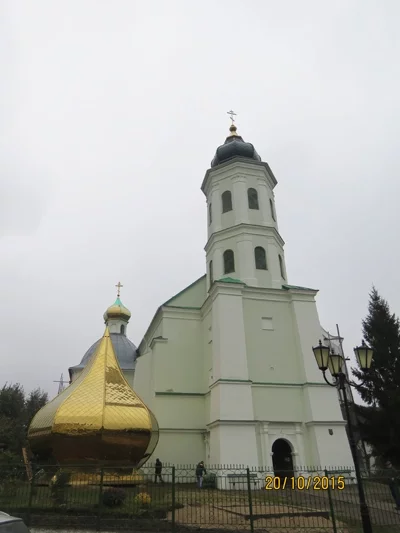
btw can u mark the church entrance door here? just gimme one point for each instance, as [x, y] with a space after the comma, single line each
[282, 459]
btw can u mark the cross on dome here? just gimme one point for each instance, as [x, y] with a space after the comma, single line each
[119, 287]
[232, 114]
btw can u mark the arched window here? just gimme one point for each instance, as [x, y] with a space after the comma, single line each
[252, 197]
[229, 262]
[272, 209]
[210, 213]
[210, 270]
[260, 258]
[281, 266]
[122, 329]
[226, 201]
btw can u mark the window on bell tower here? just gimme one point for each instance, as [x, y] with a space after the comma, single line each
[122, 329]
[226, 201]
[272, 209]
[260, 258]
[229, 262]
[210, 213]
[281, 267]
[210, 270]
[252, 197]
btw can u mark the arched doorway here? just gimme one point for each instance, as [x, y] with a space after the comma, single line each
[282, 460]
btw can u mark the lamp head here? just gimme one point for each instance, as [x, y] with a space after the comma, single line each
[364, 355]
[321, 354]
[335, 364]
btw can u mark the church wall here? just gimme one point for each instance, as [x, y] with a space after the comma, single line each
[308, 332]
[178, 362]
[270, 341]
[180, 411]
[129, 376]
[207, 349]
[322, 403]
[181, 448]
[332, 449]
[278, 403]
[142, 378]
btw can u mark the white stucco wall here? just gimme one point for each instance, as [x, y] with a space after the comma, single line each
[242, 229]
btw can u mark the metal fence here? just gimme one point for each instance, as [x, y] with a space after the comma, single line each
[226, 497]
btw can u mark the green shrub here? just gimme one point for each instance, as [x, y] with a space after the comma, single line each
[58, 484]
[210, 481]
[113, 497]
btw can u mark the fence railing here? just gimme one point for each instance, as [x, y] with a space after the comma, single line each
[179, 497]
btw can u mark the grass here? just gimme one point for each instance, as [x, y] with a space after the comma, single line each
[84, 498]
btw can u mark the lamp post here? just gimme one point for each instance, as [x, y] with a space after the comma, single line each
[334, 362]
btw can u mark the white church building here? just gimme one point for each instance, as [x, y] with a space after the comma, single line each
[226, 365]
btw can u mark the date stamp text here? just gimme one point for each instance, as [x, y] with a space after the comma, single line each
[305, 483]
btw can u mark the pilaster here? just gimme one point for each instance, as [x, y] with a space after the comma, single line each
[240, 200]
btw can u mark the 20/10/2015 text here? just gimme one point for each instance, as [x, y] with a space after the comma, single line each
[305, 483]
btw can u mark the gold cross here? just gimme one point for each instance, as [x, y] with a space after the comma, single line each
[231, 114]
[119, 286]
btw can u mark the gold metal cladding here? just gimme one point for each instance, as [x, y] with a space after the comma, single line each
[97, 419]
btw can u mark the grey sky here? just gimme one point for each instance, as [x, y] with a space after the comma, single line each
[110, 113]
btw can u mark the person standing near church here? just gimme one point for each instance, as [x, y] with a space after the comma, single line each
[200, 471]
[158, 471]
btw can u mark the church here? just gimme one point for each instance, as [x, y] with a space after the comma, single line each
[226, 365]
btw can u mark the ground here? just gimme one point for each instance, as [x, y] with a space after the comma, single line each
[275, 512]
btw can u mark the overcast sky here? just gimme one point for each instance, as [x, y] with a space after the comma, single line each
[110, 113]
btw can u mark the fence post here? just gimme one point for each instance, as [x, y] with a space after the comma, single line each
[250, 501]
[173, 500]
[331, 504]
[100, 499]
[30, 498]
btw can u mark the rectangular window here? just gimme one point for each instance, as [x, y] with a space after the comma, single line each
[266, 323]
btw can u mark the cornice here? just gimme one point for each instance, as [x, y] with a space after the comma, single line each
[181, 313]
[234, 166]
[247, 229]
[156, 340]
[220, 288]
[230, 382]
[190, 394]
[266, 294]
[147, 337]
[337, 423]
[220, 422]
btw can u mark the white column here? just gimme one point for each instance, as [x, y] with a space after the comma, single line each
[265, 447]
[264, 202]
[301, 459]
[229, 343]
[218, 267]
[240, 200]
[245, 261]
[215, 196]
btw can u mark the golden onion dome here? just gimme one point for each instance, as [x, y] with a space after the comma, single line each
[98, 419]
[117, 310]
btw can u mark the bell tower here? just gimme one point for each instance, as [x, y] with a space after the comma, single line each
[243, 238]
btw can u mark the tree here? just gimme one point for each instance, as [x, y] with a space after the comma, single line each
[12, 416]
[35, 401]
[379, 420]
[16, 413]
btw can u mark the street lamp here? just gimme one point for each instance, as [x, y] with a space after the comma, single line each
[327, 359]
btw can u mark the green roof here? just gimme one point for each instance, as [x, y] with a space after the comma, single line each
[184, 290]
[297, 288]
[231, 280]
